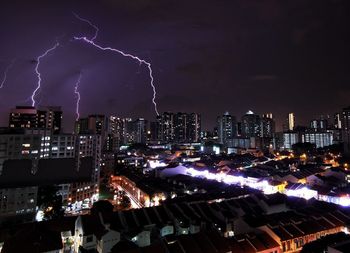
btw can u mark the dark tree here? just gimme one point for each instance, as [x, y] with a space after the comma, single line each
[304, 148]
[101, 206]
[318, 160]
[139, 148]
[50, 202]
[125, 202]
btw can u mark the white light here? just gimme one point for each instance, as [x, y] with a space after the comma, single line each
[39, 216]
[154, 164]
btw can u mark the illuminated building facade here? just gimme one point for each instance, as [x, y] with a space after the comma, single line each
[267, 126]
[166, 127]
[289, 139]
[120, 132]
[139, 130]
[291, 121]
[195, 127]
[179, 127]
[320, 139]
[337, 121]
[226, 125]
[87, 146]
[143, 195]
[251, 125]
[29, 117]
[319, 124]
[36, 144]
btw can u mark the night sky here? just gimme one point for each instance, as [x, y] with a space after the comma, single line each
[208, 56]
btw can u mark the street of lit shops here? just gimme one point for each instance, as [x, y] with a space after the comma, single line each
[126, 189]
[303, 191]
[134, 203]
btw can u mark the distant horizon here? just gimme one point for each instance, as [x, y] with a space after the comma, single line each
[279, 122]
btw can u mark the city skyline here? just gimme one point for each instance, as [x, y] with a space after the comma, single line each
[233, 56]
[174, 126]
[288, 123]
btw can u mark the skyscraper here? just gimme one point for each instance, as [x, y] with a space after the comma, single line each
[24, 117]
[337, 121]
[140, 130]
[82, 126]
[320, 139]
[319, 124]
[88, 146]
[53, 118]
[155, 130]
[267, 126]
[345, 124]
[98, 124]
[29, 117]
[251, 125]
[115, 133]
[194, 127]
[180, 127]
[226, 127]
[123, 131]
[166, 127]
[291, 121]
[177, 127]
[289, 139]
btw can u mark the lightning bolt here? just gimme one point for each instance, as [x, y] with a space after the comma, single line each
[78, 96]
[5, 73]
[139, 60]
[91, 24]
[38, 73]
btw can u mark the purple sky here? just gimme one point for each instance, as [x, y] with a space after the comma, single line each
[208, 56]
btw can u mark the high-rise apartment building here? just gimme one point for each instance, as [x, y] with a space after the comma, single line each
[226, 125]
[291, 121]
[166, 127]
[267, 126]
[87, 146]
[37, 147]
[30, 117]
[98, 124]
[155, 131]
[139, 131]
[181, 122]
[194, 127]
[289, 139]
[320, 139]
[345, 126]
[53, 118]
[179, 127]
[94, 125]
[124, 131]
[251, 125]
[337, 121]
[319, 124]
